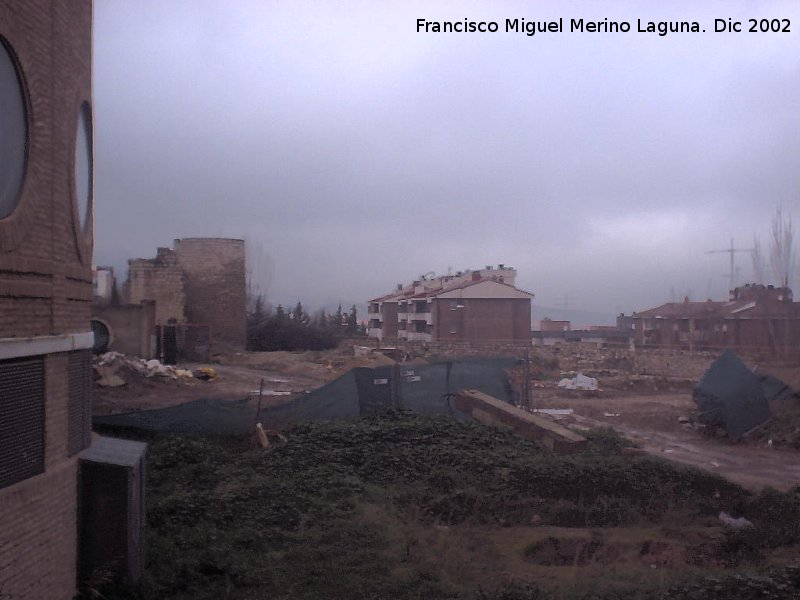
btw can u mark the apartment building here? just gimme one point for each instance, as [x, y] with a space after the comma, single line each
[755, 319]
[469, 306]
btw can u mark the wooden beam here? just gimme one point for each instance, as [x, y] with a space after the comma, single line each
[490, 410]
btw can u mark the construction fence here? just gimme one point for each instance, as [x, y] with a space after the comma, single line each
[424, 389]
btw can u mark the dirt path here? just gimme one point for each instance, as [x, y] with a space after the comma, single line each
[752, 467]
[652, 421]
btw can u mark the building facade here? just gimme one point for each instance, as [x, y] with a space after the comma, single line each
[756, 319]
[470, 306]
[45, 290]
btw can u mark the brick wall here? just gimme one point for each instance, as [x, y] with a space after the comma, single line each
[38, 535]
[159, 279]
[46, 284]
[482, 319]
[45, 257]
[214, 284]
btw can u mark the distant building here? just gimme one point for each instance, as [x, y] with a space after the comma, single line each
[756, 318]
[470, 306]
[554, 332]
[103, 284]
[200, 281]
[551, 325]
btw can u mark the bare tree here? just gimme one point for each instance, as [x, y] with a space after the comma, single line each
[260, 269]
[781, 248]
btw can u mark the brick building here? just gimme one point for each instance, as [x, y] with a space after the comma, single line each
[200, 281]
[45, 290]
[470, 306]
[756, 319]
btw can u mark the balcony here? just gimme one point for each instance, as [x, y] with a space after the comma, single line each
[374, 315]
[421, 316]
[374, 332]
[413, 336]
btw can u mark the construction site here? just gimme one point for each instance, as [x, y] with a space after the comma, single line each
[426, 460]
[196, 432]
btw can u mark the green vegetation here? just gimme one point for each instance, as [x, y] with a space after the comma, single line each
[273, 330]
[409, 507]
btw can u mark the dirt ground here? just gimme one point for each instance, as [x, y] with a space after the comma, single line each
[646, 398]
[652, 421]
[238, 375]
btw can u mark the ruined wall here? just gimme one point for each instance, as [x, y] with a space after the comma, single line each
[131, 327]
[45, 294]
[463, 349]
[159, 279]
[214, 286]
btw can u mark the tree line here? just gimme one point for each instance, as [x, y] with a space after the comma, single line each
[270, 329]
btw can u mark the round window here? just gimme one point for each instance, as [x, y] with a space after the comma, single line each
[13, 132]
[102, 337]
[83, 164]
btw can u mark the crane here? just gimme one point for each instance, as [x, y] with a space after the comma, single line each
[731, 251]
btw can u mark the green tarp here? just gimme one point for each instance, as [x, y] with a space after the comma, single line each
[731, 395]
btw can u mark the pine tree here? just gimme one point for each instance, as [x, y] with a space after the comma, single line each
[297, 314]
[337, 318]
[352, 321]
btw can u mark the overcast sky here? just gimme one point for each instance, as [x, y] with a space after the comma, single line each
[357, 153]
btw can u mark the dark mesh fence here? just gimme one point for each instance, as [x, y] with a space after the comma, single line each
[423, 389]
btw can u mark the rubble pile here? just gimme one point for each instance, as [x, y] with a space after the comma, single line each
[579, 382]
[108, 367]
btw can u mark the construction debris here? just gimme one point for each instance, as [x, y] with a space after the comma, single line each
[108, 376]
[490, 410]
[205, 373]
[112, 362]
[579, 382]
[555, 412]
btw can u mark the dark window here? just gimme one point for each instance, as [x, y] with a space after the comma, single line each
[83, 164]
[102, 337]
[21, 419]
[80, 401]
[13, 132]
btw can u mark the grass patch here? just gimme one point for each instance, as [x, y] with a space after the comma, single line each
[408, 507]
